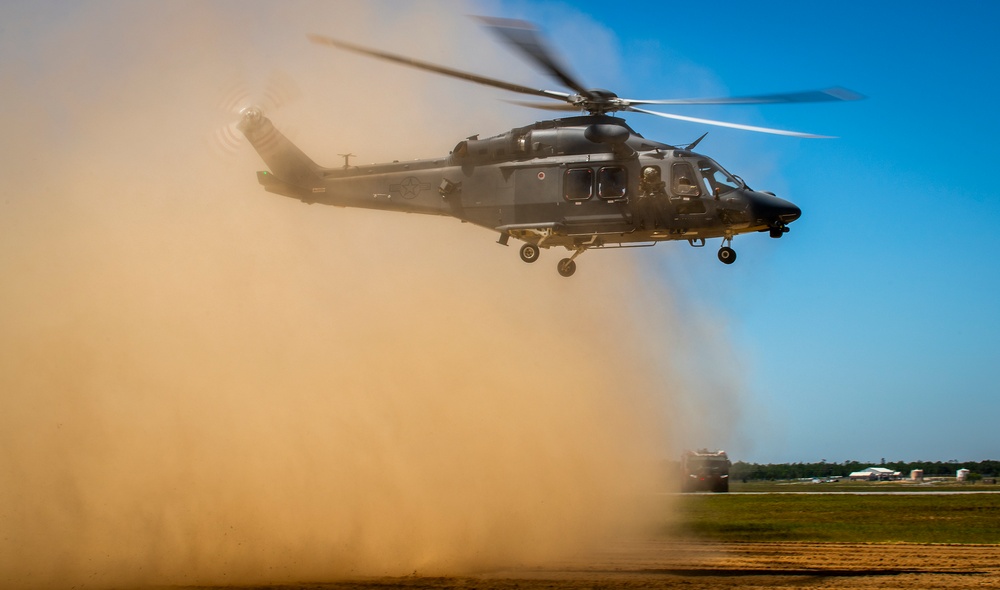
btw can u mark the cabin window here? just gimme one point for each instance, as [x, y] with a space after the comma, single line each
[719, 181]
[612, 182]
[683, 182]
[578, 184]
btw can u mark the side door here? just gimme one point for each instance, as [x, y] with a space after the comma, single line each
[537, 197]
[598, 198]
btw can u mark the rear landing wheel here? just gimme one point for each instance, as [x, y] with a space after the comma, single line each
[727, 255]
[529, 252]
[566, 267]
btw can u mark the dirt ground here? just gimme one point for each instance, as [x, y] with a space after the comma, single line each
[708, 566]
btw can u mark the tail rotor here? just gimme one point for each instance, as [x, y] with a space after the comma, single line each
[243, 101]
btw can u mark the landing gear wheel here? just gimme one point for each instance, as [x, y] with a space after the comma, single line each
[566, 267]
[727, 255]
[529, 253]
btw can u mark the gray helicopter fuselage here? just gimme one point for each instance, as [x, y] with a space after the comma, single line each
[579, 182]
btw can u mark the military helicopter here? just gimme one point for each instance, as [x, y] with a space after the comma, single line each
[579, 182]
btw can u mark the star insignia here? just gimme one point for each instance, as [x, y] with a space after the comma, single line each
[409, 187]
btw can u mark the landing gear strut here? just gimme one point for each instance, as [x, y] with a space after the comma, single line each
[567, 266]
[726, 254]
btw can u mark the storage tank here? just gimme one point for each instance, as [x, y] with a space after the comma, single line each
[962, 475]
[917, 475]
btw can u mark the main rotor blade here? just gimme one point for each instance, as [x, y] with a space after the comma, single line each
[731, 125]
[545, 106]
[826, 95]
[407, 61]
[523, 36]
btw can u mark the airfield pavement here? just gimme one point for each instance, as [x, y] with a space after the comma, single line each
[717, 566]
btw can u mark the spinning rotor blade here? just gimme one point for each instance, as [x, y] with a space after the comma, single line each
[825, 95]
[731, 125]
[545, 106]
[273, 93]
[422, 65]
[522, 35]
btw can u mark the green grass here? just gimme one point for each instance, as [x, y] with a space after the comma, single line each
[840, 518]
[862, 486]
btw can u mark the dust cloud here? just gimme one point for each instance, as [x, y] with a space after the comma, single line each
[203, 383]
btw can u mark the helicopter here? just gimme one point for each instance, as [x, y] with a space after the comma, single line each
[581, 182]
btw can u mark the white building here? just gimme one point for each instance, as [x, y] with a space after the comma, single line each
[875, 474]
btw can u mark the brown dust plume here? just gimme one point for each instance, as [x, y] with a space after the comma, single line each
[201, 382]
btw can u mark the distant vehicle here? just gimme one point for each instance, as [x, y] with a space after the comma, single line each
[825, 479]
[705, 471]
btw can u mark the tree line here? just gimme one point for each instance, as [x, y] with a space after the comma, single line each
[755, 471]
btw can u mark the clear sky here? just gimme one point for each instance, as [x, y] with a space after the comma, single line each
[871, 329]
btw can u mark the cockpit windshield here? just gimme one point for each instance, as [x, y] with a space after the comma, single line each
[717, 180]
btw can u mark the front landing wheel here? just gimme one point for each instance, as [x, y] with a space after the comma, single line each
[727, 255]
[566, 267]
[529, 252]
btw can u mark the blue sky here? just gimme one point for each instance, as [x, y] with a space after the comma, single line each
[870, 330]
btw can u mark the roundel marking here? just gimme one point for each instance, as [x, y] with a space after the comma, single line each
[409, 187]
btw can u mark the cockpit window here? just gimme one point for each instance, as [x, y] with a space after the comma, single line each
[718, 181]
[612, 182]
[578, 184]
[683, 182]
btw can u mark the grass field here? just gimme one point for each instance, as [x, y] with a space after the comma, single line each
[844, 485]
[891, 518]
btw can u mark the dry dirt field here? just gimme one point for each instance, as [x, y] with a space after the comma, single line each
[709, 566]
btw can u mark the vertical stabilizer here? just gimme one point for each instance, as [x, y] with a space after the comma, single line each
[288, 163]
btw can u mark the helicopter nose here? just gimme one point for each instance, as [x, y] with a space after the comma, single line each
[774, 211]
[789, 213]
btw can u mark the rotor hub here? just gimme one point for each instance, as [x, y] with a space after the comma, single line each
[599, 101]
[251, 116]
